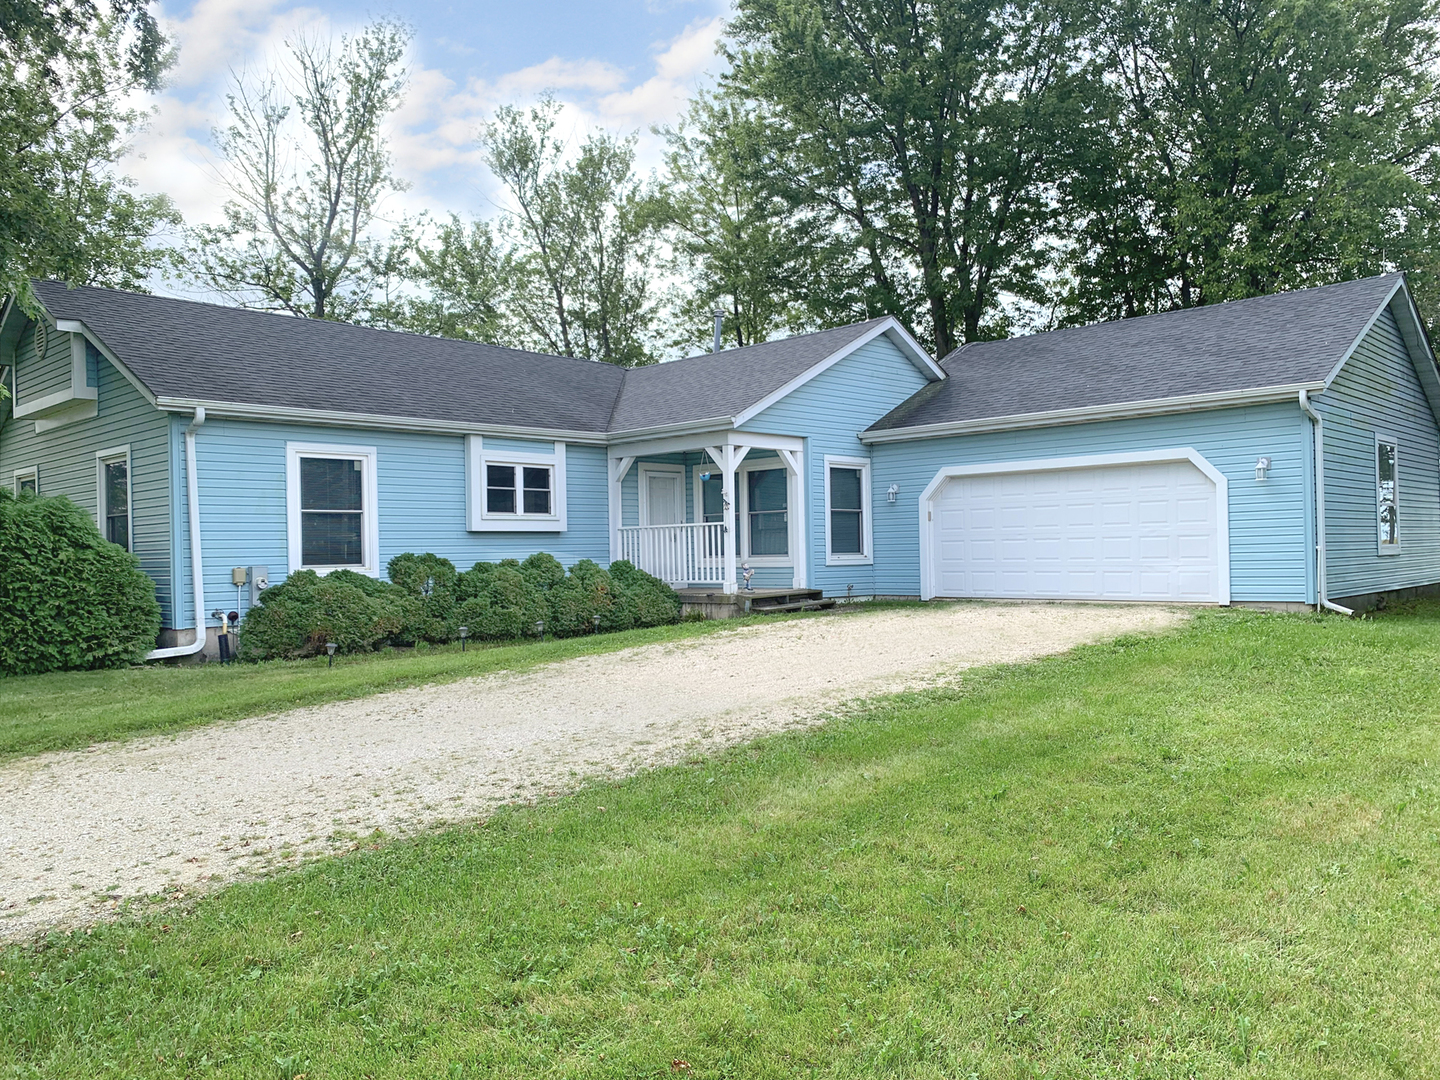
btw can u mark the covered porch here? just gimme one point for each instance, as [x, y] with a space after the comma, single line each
[698, 510]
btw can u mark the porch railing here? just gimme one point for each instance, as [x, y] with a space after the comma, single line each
[688, 554]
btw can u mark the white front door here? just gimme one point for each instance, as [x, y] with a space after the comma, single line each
[1146, 531]
[663, 496]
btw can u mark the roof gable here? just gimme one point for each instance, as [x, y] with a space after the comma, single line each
[1278, 343]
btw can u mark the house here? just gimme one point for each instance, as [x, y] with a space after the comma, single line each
[1171, 457]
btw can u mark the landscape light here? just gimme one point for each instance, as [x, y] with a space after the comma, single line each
[540, 628]
[330, 648]
[464, 633]
[596, 620]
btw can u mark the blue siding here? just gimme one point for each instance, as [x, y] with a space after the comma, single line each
[421, 491]
[1270, 538]
[65, 457]
[829, 412]
[1378, 391]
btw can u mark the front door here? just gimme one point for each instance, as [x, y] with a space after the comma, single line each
[664, 498]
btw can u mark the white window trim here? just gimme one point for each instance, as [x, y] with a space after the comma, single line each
[742, 483]
[478, 519]
[31, 472]
[369, 503]
[645, 469]
[867, 532]
[103, 458]
[1382, 548]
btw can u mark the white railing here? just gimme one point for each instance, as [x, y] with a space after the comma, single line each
[690, 554]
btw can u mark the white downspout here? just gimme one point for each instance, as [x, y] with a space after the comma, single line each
[197, 573]
[1320, 583]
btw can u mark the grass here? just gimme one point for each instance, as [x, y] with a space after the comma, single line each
[1209, 853]
[77, 708]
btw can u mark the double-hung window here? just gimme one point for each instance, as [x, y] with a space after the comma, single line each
[514, 485]
[847, 511]
[1387, 494]
[767, 506]
[112, 475]
[27, 481]
[331, 492]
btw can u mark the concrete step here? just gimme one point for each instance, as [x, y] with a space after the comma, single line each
[818, 603]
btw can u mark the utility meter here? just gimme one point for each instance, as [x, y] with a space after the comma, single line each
[259, 582]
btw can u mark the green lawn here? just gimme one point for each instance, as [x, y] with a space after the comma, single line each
[77, 708]
[1211, 853]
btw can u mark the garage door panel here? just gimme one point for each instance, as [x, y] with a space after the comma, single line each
[1145, 532]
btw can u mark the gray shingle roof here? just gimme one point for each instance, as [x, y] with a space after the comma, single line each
[1280, 340]
[209, 352]
[724, 383]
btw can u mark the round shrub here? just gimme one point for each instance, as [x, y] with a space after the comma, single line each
[475, 581]
[508, 608]
[297, 617]
[410, 615]
[430, 580]
[645, 600]
[543, 571]
[584, 593]
[71, 599]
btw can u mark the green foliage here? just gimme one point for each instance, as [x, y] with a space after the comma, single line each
[640, 599]
[71, 599]
[584, 593]
[429, 581]
[542, 570]
[297, 617]
[507, 607]
[475, 581]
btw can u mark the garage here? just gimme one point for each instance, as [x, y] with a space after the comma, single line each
[1113, 527]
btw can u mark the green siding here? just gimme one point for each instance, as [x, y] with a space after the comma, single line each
[65, 457]
[1378, 391]
[37, 377]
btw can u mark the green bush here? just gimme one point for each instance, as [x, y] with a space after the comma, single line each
[429, 580]
[68, 598]
[543, 571]
[475, 581]
[642, 600]
[410, 612]
[297, 617]
[583, 594]
[507, 608]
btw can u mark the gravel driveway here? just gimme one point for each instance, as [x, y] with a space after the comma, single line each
[80, 831]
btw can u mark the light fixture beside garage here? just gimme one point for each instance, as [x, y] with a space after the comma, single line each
[893, 493]
[1262, 468]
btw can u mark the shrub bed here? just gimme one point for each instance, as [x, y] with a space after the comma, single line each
[71, 600]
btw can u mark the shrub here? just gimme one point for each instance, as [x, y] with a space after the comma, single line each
[644, 600]
[543, 571]
[429, 580]
[409, 611]
[71, 599]
[475, 581]
[507, 608]
[297, 617]
[584, 593]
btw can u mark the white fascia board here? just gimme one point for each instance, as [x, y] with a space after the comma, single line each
[699, 440]
[1089, 414]
[1417, 341]
[890, 326]
[331, 418]
[1369, 325]
[688, 427]
[75, 326]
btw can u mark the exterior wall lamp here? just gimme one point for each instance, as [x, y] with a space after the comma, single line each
[1262, 468]
[893, 493]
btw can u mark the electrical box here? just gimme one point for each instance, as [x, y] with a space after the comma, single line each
[259, 582]
[239, 576]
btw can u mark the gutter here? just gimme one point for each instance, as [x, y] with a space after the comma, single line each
[1322, 600]
[197, 572]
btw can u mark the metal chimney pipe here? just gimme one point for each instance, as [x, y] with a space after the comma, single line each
[719, 327]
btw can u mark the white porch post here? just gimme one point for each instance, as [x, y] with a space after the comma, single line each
[619, 466]
[727, 509]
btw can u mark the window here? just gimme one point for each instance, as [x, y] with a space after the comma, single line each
[112, 501]
[331, 495]
[1387, 495]
[27, 481]
[514, 485]
[847, 511]
[767, 505]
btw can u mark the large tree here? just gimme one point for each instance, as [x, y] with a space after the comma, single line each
[307, 166]
[69, 72]
[928, 131]
[1254, 145]
[580, 238]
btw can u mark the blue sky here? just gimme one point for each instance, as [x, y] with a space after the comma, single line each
[623, 66]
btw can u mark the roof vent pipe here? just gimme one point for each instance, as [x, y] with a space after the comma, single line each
[719, 327]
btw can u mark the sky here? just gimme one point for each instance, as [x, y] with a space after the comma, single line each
[624, 65]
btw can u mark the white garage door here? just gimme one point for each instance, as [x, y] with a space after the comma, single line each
[1117, 532]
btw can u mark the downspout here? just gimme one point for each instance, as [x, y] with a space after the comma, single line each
[1320, 584]
[197, 573]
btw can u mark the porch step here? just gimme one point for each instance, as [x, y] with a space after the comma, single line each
[799, 605]
[776, 600]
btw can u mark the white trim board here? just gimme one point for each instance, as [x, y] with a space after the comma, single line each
[369, 504]
[1087, 461]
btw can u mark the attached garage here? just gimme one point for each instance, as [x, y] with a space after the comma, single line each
[1152, 526]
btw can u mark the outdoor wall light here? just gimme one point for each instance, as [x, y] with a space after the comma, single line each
[464, 633]
[893, 493]
[330, 648]
[1262, 468]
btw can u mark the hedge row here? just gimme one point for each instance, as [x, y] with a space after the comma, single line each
[427, 599]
